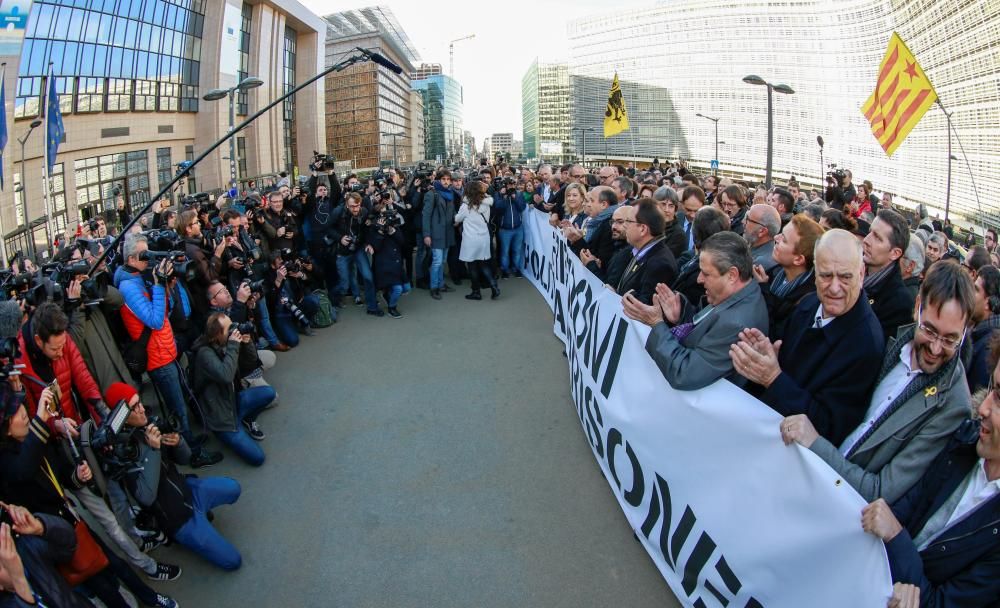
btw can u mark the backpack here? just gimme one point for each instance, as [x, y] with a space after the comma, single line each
[325, 316]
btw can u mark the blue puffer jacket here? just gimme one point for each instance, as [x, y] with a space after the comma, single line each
[510, 208]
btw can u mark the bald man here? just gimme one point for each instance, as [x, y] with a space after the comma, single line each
[832, 350]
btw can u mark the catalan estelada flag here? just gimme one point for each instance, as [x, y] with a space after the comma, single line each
[615, 116]
[902, 95]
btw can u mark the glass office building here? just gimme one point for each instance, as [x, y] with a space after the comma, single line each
[690, 57]
[545, 112]
[131, 75]
[442, 116]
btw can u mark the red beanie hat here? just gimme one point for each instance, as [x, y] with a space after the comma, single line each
[119, 391]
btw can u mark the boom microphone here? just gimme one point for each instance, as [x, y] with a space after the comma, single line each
[381, 60]
[819, 140]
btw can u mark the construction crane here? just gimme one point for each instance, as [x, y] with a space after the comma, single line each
[451, 53]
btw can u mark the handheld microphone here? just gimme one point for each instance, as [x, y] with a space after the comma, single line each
[381, 60]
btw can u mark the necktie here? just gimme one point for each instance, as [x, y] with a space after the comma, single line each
[687, 232]
[682, 331]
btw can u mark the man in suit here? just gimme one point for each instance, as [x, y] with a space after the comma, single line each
[761, 225]
[887, 240]
[827, 363]
[692, 199]
[651, 263]
[941, 537]
[691, 345]
[612, 272]
[920, 399]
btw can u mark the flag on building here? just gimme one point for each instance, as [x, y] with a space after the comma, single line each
[615, 116]
[3, 122]
[902, 96]
[54, 130]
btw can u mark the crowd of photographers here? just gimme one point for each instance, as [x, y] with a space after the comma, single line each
[868, 327]
[195, 302]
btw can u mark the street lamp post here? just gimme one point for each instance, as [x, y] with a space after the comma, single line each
[715, 171]
[250, 82]
[583, 134]
[781, 88]
[395, 161]
[21, 188]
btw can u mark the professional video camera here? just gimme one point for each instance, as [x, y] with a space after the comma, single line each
[327, 161]
[303, 185]
[356, 187]
[836, 176]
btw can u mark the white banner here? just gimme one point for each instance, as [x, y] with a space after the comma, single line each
[731, 515]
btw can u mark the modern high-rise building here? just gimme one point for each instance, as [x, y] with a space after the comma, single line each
[425, 70]
[501, 143]
[545, 112]
[469, 140]
[676, 61]
[130, 76]
[443, 101]
[366, 102]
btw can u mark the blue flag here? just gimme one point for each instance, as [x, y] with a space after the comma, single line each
[53, 124]
[3, 127]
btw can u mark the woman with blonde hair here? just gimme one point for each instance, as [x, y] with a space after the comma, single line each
[573, 198]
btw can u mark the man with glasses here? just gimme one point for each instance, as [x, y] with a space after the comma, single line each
[611, 273]
[651, 263]
[607, 175]
[921, 396]
[760, 225]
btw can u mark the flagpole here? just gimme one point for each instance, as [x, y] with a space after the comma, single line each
[975, 190]
[3, 80]
[49, 86]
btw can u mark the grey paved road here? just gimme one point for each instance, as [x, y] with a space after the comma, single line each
[432, 461]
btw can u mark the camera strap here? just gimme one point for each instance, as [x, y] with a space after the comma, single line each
[59, 489]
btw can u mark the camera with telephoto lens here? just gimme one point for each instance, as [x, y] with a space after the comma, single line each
[93, 225]
[165, 425]
[10, 352]
[226, 230]
[303, 185]
[295, 310]
[293, 266]
[183, 268]
[356, 187]
[352, 244]
[243, 328]
[115, 443]
[325, 161]
[255, 286]
[67, 273]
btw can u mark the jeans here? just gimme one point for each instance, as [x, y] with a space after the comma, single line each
[393, 294]
[358, 259]
[287, 325]
[437, 268]
[167, 380]
[511, 249]
[198, 534]
[250, 402]
[264, 317]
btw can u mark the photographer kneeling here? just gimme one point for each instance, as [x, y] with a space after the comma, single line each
[178, 503]
[215, 366]
[291, 305]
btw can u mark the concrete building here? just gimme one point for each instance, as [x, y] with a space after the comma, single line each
[545, 112]
[418, 150]
[443, 102]
[426, 70]
[131, 76]
[829, 53]
[501, 143]
[366, 102]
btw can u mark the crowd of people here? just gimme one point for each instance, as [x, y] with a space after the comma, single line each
[119, 350]
[866, 327]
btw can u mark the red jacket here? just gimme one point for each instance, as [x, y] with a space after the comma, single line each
[71, 372]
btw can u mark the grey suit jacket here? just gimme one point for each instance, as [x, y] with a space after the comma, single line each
[704, 356]
[894, 456]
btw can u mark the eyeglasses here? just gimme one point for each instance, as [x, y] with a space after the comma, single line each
[947, 342]
[217, 292]
[750, 221]
[620, 222]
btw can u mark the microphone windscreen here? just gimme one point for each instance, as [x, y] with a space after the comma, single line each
[10, 319]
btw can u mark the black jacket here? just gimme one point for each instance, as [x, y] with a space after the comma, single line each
[779, 309]
[612, 272]
[891, 301]
[677, 241]
[656, 266]
[387, 263]
[828, 373]
[686, 282]
[601, 244]
[961, 566]
[345, 224]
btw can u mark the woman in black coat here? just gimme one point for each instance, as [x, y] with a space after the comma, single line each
[387, 239]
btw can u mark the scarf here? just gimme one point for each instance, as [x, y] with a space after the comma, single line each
[446, 193]
[871, 281]
[781, 287]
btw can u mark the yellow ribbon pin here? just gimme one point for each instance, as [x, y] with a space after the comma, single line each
[930, 392]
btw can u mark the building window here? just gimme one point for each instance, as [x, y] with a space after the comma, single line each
[288, 107]
[164, 168]
[98, 176]
[241, 153]
[129, 40]
[242, 104]
[189, 155]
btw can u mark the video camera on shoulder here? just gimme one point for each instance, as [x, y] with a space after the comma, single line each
[115, 443]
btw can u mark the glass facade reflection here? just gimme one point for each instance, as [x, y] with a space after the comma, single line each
[829, 53]
[442, 116]
[97, 176]
[113, 55]
[545, 111]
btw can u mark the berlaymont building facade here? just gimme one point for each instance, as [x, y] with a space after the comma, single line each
[131, 76]
[678, 59]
